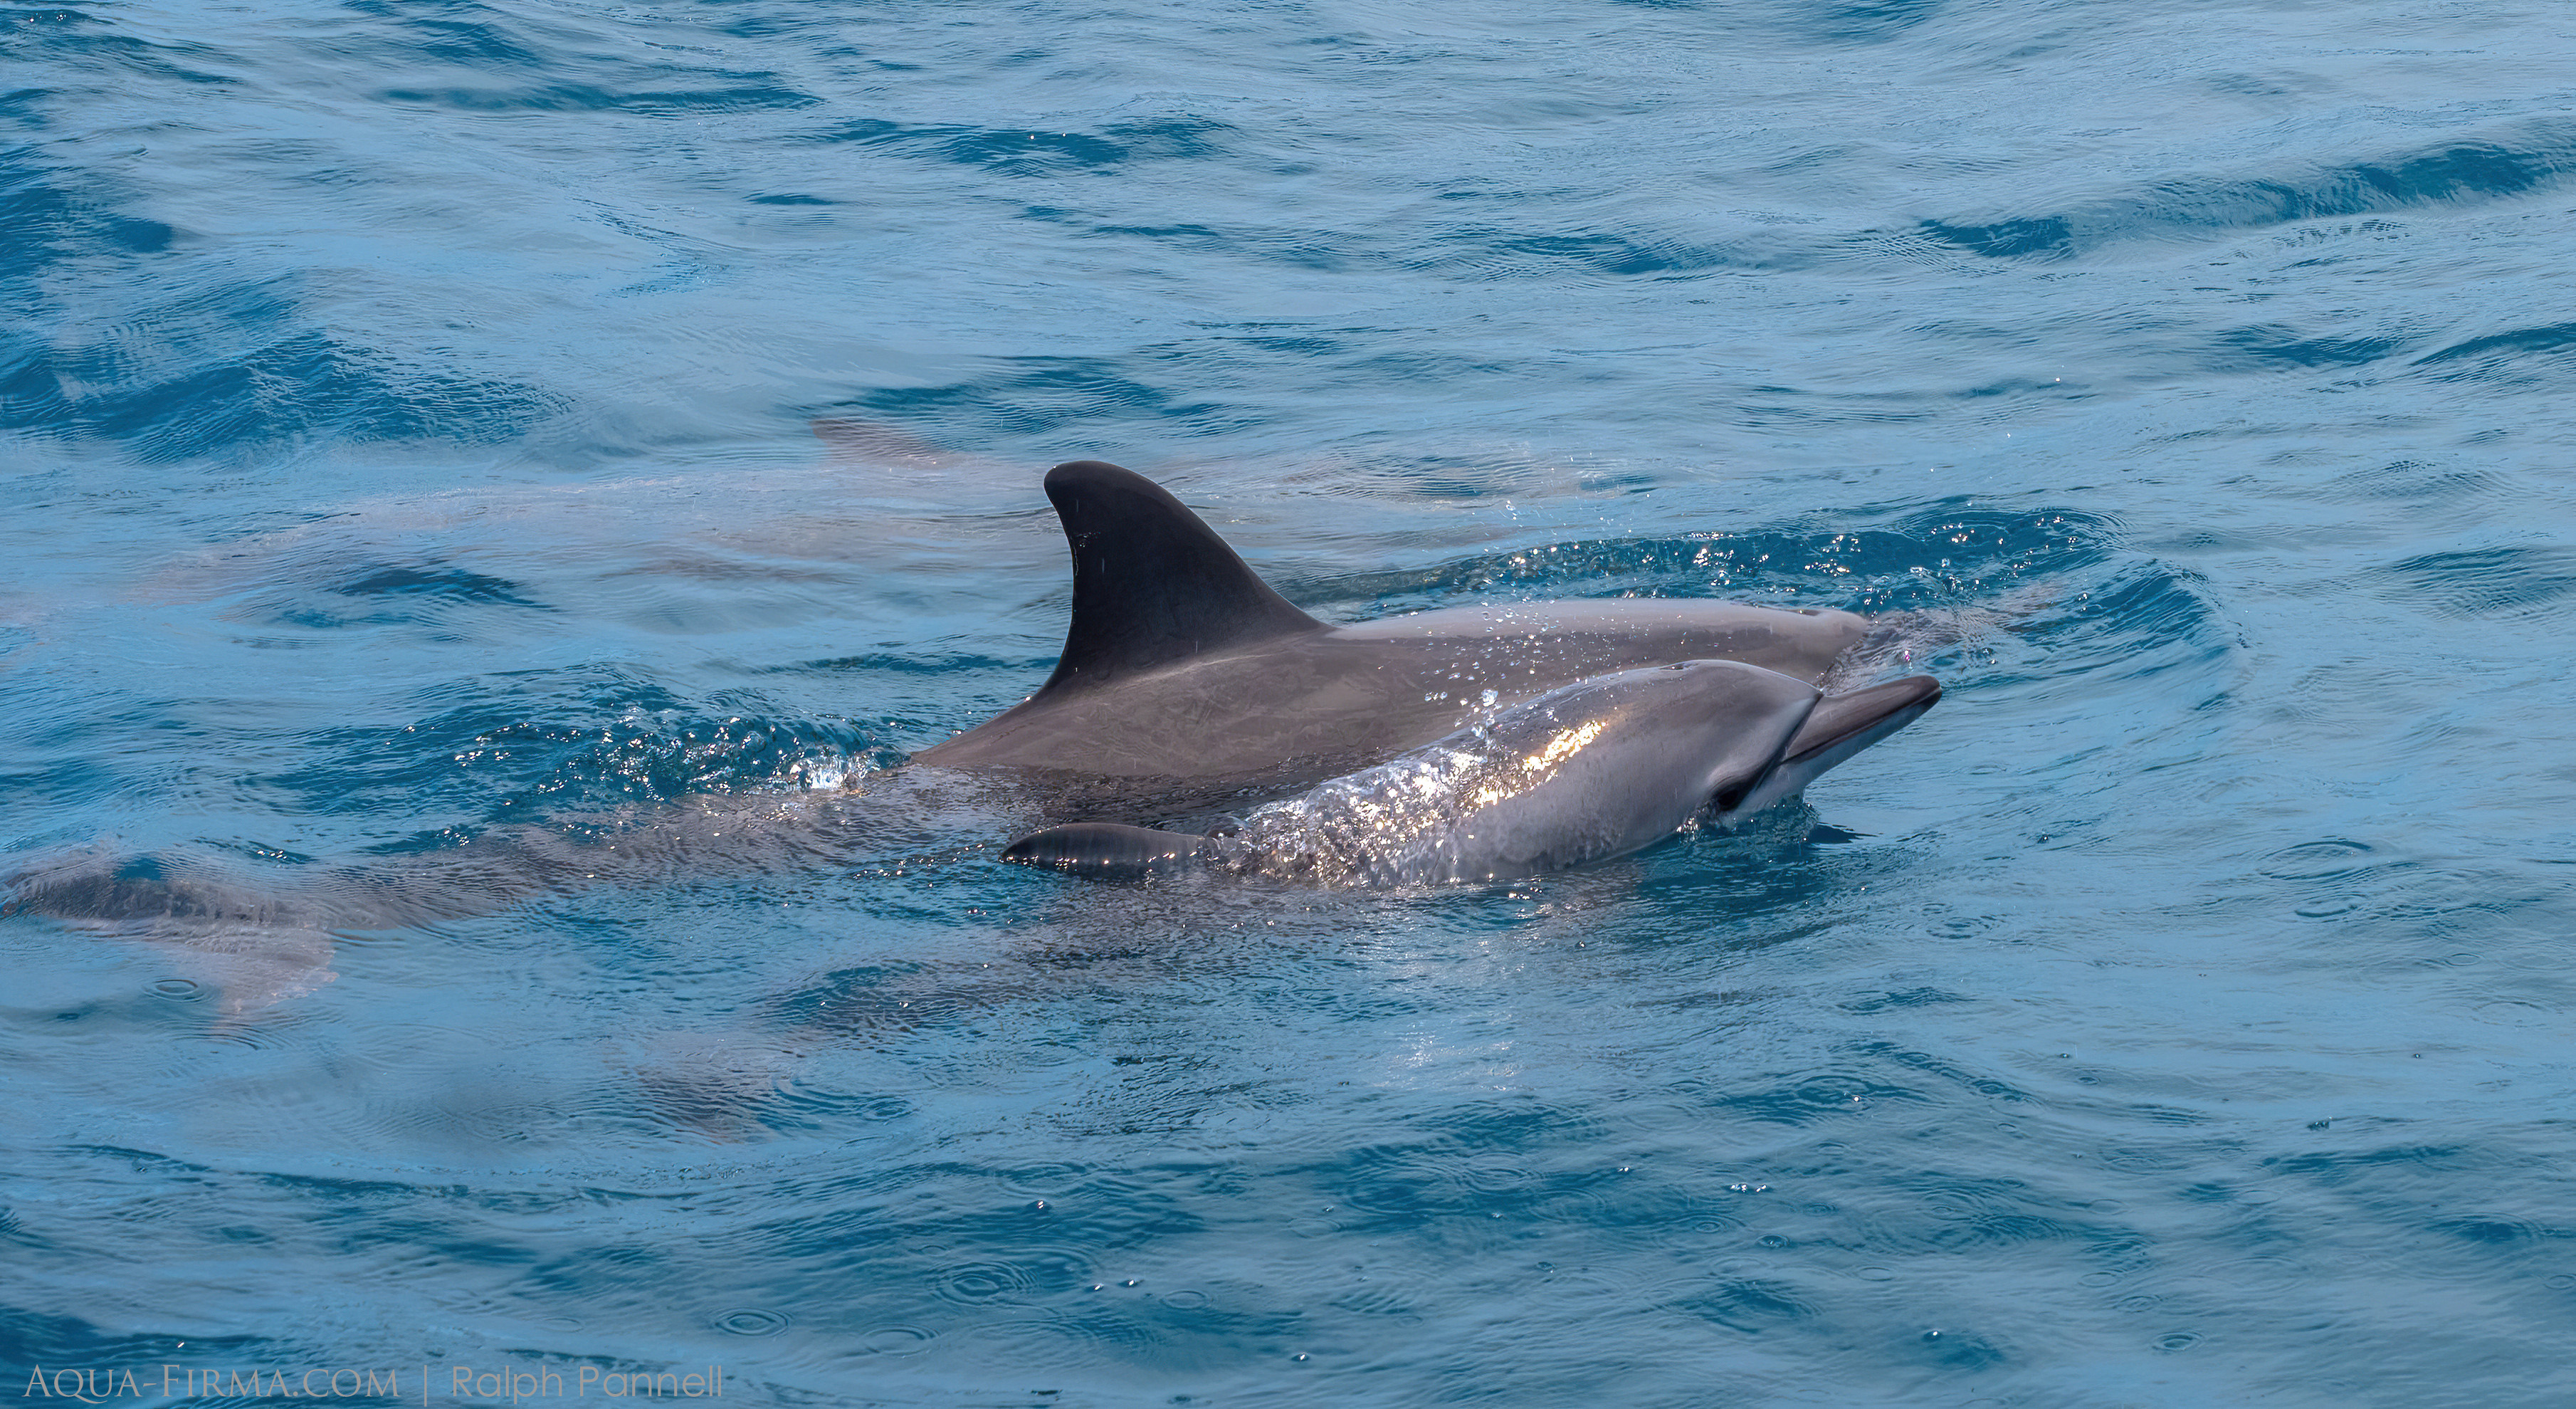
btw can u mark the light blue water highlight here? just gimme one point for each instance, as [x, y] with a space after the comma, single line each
[405, 419]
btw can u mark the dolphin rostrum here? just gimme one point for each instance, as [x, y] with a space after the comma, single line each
[1588, 772]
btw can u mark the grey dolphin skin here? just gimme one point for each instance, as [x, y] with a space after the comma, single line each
[1585, 773]
[1181, 665]
[1186, 674]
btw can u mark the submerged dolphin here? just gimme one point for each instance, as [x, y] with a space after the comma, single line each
[1585, 773]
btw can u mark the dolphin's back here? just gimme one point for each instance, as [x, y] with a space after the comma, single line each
[1181, 664]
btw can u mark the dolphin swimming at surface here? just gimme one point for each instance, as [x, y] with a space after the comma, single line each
[1185, 675]
[1186, 686]
[1588, 772]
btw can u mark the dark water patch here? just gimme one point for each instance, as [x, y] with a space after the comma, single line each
[44, 219]
[877, 999]
[1940, 1212]
[1745, 1304]
[2555, 337]
[1410, 1186]
[1299, 249]
[1865, 21]
[1957, 1350]
[2520, 358]
[1024, 152]
[801, 1109]
[2339, 1168]
[519, 745]
[25, 108]
[454, 583]
[2143, 621]
[1774, 407]
[2522, 161]
[1484, 252]
[32, 1337]
[1825, 23]
[192, 360]
[928, 664]
[1967, 1081]
[2270, 346]
[1810, 1097]
[2051, 235]
[2418, 481]
[1925, 557]
[977, 1242]
[1906, 998]
[2492, 582]
[2401, 897]
[1052, 396]
[576, 98]
[456, 32]
[486, 42]
[78, 41]
[400, 594]
[2493, 1230]
[238, 404]
[1481, 1160]
[2332, 859]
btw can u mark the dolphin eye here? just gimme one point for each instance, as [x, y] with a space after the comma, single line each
[1727, 800]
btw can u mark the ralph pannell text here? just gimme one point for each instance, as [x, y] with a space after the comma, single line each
[511, 1384]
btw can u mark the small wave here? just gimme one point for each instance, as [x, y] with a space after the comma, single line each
[569, 738]
[1923, 556]
[1023, 151]
[2492, 582]
[2524, 161]
[2519, 358]
[1021, 397]
[694, 103]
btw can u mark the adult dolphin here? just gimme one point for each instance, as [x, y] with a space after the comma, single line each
[1185, 676]
[1589, 772]
[1185, 682]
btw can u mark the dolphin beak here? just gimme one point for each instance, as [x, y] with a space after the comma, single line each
[1838, 727]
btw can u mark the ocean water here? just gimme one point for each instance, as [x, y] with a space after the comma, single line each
[426, 419]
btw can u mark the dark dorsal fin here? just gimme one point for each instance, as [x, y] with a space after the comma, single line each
[1151, 584]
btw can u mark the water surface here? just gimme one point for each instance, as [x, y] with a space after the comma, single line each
[406, 411]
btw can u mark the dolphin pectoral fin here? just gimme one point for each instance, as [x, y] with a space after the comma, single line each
[1152, 584]
[1108, 851]
[1840, 726]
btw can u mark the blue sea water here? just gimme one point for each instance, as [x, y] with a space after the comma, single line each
[409, 415]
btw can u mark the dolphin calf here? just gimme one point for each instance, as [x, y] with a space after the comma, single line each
[1588, 772]
[1184, 674]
